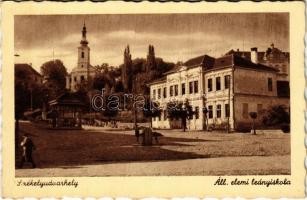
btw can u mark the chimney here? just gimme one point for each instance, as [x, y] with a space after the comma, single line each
[254, 55]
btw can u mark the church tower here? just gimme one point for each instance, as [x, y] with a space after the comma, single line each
[84, 52]
[83, 71]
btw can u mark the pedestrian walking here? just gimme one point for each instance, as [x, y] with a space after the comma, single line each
[27, 148]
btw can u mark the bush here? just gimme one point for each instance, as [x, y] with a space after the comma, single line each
[276, 115]
[243, 127]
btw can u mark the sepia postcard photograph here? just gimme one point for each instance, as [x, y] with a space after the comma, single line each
[102, 95]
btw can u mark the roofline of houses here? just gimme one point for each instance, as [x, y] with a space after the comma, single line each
[32, 69]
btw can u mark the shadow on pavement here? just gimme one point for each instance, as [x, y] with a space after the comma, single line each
[69, 148]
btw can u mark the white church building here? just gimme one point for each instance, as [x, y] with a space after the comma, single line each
[83, 71]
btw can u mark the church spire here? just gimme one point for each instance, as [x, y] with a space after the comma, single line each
[84, 41]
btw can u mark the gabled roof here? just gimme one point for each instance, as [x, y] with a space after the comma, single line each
[173, 70]
[27, 67]
[262, 55]
[234, 60]
[210, 63]
[159, 80]
[204, 60]
[244, 54]
[241, 62]
[67, 98]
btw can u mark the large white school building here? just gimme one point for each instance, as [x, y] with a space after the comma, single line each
[228, 87]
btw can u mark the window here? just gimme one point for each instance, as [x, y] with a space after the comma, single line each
[82, 54]
[227, 81]
[245, 110]
[82, 78]
[210, 112]
[209, 85]
[154, 94]
[164, 92]
[191, 87]
[82, 66]
[259, 108]
[165, 114]
[195, 86]
[218, 83]
[196, 112]
[70, 79]
[176, 90]
[159, 93]
[270, 84]
[283, 89]
[284, 68]
[227, 110]
[218, 111]
[75, 79]
[171, 90]
[183, 89]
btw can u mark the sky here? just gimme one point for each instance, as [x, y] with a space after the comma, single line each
[176, 37]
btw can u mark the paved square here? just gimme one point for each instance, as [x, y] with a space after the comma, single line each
[102, 152]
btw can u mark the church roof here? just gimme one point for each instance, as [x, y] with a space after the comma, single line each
[84, 69]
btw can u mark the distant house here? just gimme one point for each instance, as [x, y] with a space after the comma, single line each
[32, 76]
[228, 88]
[272, 57]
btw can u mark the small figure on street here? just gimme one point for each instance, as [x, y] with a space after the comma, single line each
[137, 133]
[27, 148]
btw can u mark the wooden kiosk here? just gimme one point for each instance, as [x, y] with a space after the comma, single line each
[66, 112]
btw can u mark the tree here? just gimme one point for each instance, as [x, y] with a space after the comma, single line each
[111, 106]
[107, 77]
[55, 73]
[180, 110]
[276, 115]
[151, 109]
[102, 68]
